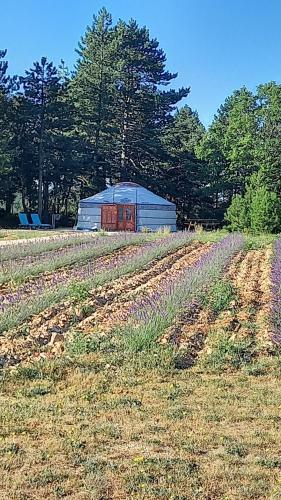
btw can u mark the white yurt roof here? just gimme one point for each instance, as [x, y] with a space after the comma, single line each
[127, 192]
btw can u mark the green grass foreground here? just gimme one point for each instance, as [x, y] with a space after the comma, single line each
[101, 423]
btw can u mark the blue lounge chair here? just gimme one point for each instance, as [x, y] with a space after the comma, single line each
[37, 222]
[24, 223]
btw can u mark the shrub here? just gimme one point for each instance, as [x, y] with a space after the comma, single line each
[237, 214]
[257, 211]
[264, 210]
[199, 228]
[82, 344]
[165, 230]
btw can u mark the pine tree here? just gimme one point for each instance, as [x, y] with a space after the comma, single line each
[237, 214]
[41, 87]
[121, 108]
[185, 132]
[143, 109]
[183, 175]
[65, 165]
[92, 91]
[7, 181]
[25, 158]
[264, 211]
[258, 210]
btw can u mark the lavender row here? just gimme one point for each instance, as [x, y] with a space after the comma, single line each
[117, 265]
[275, 315]
[156, 312]
[62, 276]
[21, 309]
[60, 250]
[36, 246]
[19, 272]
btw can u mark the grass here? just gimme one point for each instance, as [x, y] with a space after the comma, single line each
[220, 296]
[19, 234]
[254, 242]
[229, 353]
[103, 423]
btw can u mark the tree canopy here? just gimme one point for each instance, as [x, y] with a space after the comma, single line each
[118, 116]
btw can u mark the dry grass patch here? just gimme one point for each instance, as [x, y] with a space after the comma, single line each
[102, 426]
[24, 234]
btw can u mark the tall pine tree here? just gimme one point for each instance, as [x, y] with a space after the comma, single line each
[92, 92]
[183, 175]
[7, 178]
[119, 96]
[41, 88]
[143, 107]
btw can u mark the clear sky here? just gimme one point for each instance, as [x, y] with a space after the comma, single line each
[216, 46]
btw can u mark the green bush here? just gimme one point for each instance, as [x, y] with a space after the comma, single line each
[264, 211]
[257, 211]
[237, 214]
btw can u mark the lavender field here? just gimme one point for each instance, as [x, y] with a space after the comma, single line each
[140, 346]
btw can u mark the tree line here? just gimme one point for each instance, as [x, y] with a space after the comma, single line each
[67, 134]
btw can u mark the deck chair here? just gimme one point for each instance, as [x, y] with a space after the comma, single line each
[36, 221]
[24, 223]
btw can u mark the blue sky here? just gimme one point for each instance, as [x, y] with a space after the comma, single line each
[216, 46]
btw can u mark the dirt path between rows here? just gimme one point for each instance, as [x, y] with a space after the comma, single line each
[100, 312]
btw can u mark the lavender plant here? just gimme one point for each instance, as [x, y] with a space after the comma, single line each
[151, 316]
[275, 315]
[17, 309]
[35, 247]
[17, 272]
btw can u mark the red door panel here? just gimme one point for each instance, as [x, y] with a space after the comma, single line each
[118, 217]
[126, 218]
[109, 217]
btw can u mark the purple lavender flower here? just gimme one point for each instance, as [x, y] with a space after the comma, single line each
[185, 286]
[276, 293]
[80, 273]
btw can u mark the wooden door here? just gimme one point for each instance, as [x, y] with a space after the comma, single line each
[109, 217]
[126, 218]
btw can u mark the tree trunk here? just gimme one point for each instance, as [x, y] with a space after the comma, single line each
[123, 159]
[41, 151]
[40, 174]
[23, 200]
[45, 197]
[8, 207]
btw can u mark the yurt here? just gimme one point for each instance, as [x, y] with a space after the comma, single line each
[127, 206]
